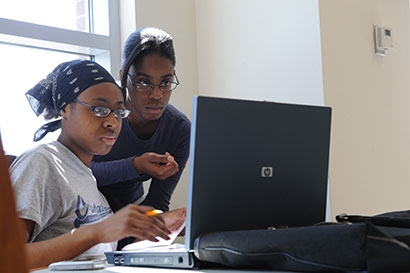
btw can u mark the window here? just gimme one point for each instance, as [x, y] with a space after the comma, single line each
[33, 43]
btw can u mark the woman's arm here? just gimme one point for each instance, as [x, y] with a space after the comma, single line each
[129, 221]
[156, 165]
[63, 247]
[161, 190]
[111, 172]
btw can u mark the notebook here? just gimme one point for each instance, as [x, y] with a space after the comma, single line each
[253, 165]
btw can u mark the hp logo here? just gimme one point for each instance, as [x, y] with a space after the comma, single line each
[267, 172]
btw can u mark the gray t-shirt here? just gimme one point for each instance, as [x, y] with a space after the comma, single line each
[58, 192]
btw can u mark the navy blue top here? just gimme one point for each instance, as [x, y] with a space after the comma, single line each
[116, 175]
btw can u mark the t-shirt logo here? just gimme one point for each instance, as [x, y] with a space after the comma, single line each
[89, 213]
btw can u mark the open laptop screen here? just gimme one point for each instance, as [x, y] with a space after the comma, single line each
[256, 164]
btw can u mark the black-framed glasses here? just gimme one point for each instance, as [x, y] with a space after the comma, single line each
[145, 86]
[102, 111]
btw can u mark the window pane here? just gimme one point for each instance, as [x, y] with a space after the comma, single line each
[100, 17]
[67, 14]
[24, 67]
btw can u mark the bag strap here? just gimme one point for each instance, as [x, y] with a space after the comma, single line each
[385, 221]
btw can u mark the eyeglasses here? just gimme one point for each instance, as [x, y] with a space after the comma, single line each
[145, 86]
[102, 112]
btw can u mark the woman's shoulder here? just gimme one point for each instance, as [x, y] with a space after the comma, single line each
[40, 155]
[31, 165]
[40, 152]
[173, 113]
[175, 124]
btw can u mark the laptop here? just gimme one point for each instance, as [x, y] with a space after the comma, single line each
[253, 165]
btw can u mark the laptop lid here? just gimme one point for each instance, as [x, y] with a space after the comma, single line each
[256, 164]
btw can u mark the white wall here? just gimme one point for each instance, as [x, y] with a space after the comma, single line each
[370, 96]
[260, 49]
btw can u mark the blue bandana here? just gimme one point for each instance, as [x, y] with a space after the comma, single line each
[63, 85]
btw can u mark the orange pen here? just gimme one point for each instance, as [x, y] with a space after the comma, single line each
[153, 212]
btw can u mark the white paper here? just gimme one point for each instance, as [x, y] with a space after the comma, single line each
[161, 242]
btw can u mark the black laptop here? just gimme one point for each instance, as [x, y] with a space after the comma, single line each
[253, 165]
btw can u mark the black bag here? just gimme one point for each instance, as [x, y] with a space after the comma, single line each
[376, 244]
[388, 245]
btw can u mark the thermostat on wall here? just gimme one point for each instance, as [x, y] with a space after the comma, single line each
[383, 39]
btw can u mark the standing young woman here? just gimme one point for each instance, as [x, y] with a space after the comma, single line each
[56, 194]
[154, 141]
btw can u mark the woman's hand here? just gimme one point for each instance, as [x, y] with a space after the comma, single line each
[131, 221]
[156, 165]
[174, 219]
[128, 221]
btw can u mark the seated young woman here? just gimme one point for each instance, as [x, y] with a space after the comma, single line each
[56, 193]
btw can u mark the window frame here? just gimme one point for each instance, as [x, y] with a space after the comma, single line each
[106, 50]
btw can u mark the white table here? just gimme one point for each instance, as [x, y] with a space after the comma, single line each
[131, 269]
